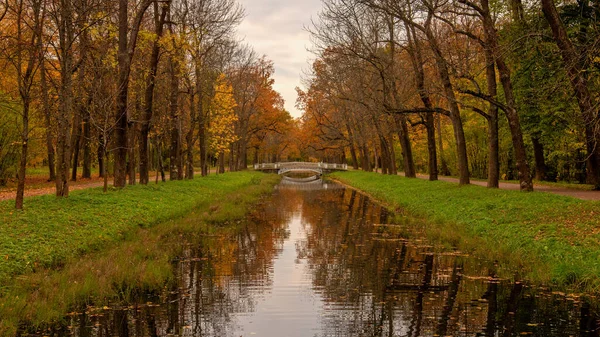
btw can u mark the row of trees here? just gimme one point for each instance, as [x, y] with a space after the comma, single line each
[141, 84]
[411, 72]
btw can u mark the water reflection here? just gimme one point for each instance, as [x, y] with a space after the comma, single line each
[321, 260]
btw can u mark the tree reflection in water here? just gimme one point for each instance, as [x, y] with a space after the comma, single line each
[324, 262]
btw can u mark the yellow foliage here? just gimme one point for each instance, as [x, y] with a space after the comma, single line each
[222, 117]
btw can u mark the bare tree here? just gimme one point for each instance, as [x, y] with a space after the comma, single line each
[159, 22]
[128, 35]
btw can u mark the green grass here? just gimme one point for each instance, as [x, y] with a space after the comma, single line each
[552, 239]
[560, 184]
[142, 260]
[564, 184]
[49, 230]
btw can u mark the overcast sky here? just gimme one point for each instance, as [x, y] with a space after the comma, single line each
[275, 29]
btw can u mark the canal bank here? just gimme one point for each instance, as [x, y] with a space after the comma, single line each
[323, 260]
[95, 245]
[551, 239]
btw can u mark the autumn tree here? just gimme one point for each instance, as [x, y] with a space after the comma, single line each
[222, 119]
[23, 23]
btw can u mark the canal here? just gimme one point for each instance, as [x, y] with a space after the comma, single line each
[317, 259]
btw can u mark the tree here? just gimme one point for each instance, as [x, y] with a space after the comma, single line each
[574, 65]
[23, 54]
[159, 22]
[222, 119]
[128, 35]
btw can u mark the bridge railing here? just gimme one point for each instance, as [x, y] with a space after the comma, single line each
[266, 166]
[290, 165]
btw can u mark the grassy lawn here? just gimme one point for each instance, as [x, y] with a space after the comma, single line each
[129, 238]
[552, 239]
[50, 231]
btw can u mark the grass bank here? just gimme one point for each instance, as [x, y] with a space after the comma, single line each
[553, 239]
[130, 238]
[50, 231]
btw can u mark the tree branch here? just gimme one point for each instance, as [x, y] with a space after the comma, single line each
[484, 97]
[419, 110]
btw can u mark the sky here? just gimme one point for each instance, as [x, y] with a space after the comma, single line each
[275, 28]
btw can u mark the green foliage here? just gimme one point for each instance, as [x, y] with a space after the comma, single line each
[52, 230]
[554, 239]
[547, 106]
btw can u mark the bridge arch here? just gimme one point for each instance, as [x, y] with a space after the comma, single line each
[285, 170]
[285, 167]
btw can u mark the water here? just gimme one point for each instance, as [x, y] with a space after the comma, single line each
[320, 260]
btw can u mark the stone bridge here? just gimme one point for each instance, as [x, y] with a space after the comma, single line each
[317, 168]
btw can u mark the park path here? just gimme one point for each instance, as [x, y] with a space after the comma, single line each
[10, 194]
[569, 192]
[50, 188]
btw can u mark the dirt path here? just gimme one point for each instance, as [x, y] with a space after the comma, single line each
[43, 187]
[569, 192]
[49, 188]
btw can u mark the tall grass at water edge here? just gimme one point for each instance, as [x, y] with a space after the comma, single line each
[550, 239]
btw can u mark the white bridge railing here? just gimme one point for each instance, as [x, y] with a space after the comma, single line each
[300, 165]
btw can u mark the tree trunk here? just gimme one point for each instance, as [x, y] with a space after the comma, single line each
[103, 172]
[366, 164]
[175, 148]
[576, 71]
[144, 149]
[417, 62]
[492, 119]
[407, 156]
[443, 165]
[515, 128]
[255, 161]
[431, 150]
[77, 122]
[352, 147]
[23, 161]
[403, 135]
[511, 111]
[393, 170]
[87, 155]
[190, 140]
[221, 162]
[126, 50]
[493, 149]
[81, 104]
[63, 145]
[25, 77]
[385, 157]
[101, 156]
[124, 65]
[243, 156]
[201, 121]
[131, 163]
[76, 146]
[459, 134]
[47, 119]
[161, 166]
[232, 161]
[540, 162]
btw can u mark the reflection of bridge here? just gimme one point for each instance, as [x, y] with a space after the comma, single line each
[283, 168]
[301, 185]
